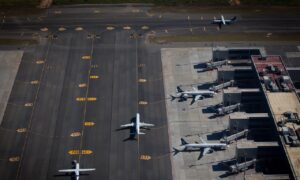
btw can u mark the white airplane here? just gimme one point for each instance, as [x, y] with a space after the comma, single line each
[75, 171]
[224, 21]
[137, 125]
[204, 147]
[195, 94]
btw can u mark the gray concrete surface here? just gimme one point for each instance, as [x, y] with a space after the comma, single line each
[189, 121]
[9, 65]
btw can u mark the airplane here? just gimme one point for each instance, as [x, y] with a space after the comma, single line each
[204, 147]
[137, 124]
[224, 21]
[195, 94]
[75, 171]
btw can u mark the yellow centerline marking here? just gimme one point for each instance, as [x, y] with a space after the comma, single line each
[61, 29]
[110, 28]
[82, 85]
[86, 99]
[80, 152]
[28, 104]
[21, 130]
[145, 157]
[34, 82]
[142, 80]
[75, 134]
[94, 77]
[14, 159]
[88, 123]
[126, 27]
[39, 62]
[44, 29]
[86, 57]
[78, 29]
[145, 27]
[143, 102]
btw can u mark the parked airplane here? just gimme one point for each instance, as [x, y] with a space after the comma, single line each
[204, 147]
[241, 167]
[195, 94]
[75, 171]
[137, 124]
[223, 21]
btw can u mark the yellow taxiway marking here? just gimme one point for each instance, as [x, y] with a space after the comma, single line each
[28, 104]
[145, 27]
[57, 12]
[75, 134]
[94, 66]
[78, 29]
[89, 123]
[96, 11]
[141, 65]
[135, 10]
[86, 99]
[142, 80]
[82, 85]
[80, 152]
[110, 28]
[143, 102]
[21, 130]
[34, 82]
[86, 57]
[126, 27]
[14, 159]
[61, 29]
[44, 29]
[40, 62]
[94, 77]
[145, 157]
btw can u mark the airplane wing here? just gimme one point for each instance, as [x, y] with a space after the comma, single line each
[146, 124]
[128, 125]
[197, 97]
[85, 170]
[206, 150]
[67, 170]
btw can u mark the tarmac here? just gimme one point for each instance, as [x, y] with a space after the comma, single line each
[94, 76]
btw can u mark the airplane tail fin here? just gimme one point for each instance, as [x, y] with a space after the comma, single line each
[179, 89]
[183, 142]
[175, 151]
[233, 19]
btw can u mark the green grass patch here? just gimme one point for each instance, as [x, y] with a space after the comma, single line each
[227, 37]
[19, 3]
[12, 42]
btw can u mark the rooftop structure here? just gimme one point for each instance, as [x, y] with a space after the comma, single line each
[283, 103]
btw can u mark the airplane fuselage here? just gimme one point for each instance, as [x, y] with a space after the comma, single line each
[194, 146]
[196, 93]
[137, 123]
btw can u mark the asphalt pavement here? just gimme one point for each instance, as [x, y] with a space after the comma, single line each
[89, 82]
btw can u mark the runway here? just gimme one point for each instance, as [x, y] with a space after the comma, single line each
[87, 86]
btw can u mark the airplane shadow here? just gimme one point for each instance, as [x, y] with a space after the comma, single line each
[200, 66]
[206, 85]
[216, 135]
